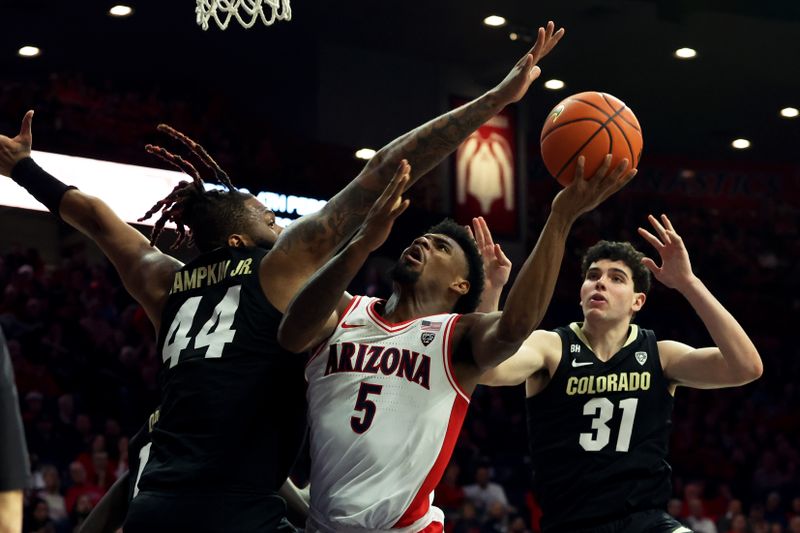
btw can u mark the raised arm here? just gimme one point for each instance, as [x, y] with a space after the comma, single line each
[314, 312]
[734, 360]
[496, 266]
[144, 270]
[308, 243]
[497, 336]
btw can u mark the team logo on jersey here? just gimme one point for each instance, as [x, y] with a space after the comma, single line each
[641, 357]
[429, 330]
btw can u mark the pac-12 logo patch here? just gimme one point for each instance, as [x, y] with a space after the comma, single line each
[427, 338]
[641, 357]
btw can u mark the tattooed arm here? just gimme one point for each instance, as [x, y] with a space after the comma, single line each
[309, 243]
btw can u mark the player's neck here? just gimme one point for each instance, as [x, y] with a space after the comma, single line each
[407, 304]
[605, 338]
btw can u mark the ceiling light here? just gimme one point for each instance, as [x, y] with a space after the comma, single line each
[365, 153]
[494, 20]
[120, 10]
[29, 51]
[789, 112]
[513, 36]
[554, 85]
[741, 144]
[685, 53]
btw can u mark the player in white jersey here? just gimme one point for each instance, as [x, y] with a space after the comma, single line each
[389, 386]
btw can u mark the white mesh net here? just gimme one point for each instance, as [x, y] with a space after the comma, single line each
[246, 12]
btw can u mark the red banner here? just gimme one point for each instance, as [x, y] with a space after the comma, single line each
[486, 181]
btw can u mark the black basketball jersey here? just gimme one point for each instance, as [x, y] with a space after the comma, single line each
[232, 416]
[599, 433]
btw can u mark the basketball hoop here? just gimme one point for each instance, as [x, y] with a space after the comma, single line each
[247, 12]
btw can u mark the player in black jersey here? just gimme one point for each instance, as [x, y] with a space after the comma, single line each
[599, 393]
[232, 416]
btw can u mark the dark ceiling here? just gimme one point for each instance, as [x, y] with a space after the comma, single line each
[746, 70]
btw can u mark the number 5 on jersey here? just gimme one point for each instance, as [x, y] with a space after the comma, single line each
[222, 317]
[360, 425]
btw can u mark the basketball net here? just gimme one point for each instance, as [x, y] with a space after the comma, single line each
[246, 12]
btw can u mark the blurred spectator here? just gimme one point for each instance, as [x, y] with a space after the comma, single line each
[467, 521]
[38, 518]
[51, 493]
[83, 506]
[483, 493]
[80, 487]
[697, 520]
[726, 520]
[773, 513]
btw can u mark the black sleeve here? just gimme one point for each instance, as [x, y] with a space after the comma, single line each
[14, 464]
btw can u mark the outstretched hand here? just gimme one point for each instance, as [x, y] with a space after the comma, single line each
[13, 150]
[583, 195]
[496, 266]
[676, 269]
[516, 83]
[385, 210]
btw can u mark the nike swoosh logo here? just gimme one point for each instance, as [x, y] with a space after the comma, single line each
[348, 326]
[576, 364]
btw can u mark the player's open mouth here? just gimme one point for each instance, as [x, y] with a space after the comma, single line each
[597, 299]
[415, 254]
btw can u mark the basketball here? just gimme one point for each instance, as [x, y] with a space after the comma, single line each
[591, 124]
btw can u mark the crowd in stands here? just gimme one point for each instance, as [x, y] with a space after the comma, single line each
[86, 364]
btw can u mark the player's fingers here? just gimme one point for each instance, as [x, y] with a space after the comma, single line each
[401, 208]
[619, 170]
[471, 234]
[649, 237]
[667, 224]
[659, 229]
[579, 169]
[501, 256]
[603, 170]
[650, 265]
[27, 121]
[486, 234]
[536, 49]
[402, 170]
[624, 181]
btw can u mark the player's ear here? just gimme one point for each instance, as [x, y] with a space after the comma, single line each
[638, 301]
[461, 286]
[238, 240]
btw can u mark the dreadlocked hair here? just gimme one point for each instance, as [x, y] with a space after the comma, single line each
[469, 301]
[203, 218]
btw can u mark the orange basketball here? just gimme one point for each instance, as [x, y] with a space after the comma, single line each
[591, 124]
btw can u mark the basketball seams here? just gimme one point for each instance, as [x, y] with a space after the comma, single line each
[592, 104]
[589, 140]
[628, 142]
[573, 121]
[629, 123]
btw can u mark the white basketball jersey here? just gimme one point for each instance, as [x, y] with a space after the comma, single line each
[385, 412]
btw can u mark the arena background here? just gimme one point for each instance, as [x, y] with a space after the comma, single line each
[285, 108]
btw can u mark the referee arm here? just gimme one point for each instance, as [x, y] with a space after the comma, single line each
[14, 465]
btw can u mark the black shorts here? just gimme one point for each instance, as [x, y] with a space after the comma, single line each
[155, 512]
[653, 521]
